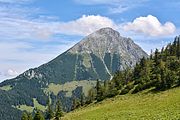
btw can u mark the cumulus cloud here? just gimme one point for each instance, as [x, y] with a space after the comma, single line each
[150, 26]
[86, 25]
[11, 28]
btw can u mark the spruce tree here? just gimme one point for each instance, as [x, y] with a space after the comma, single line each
[75, 103]
[38, 116]
[82, 99]
[91, 96]
[24, 116]
[49, 111]
[30, 116]
[59, 111]
[158, 83]
[178, 48]
[99, 91]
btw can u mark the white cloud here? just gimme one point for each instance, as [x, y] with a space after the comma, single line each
[7, 74]
[11, 72]
[150, 26]
[15, 28]
[86, 25]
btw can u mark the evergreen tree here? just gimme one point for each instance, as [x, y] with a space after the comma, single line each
[30, 116]
[119, 80]
[91, 96]
[59, 111]
[82, 99]
[99, 91]
[136, 73]
[24, 116]
[178, 48]
[38, 116]
[156, 57]
[106, 87]
[49, 111]
[158, 84]
[75, 103]
[169, 79]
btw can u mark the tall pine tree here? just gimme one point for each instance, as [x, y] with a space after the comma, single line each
[59, 111]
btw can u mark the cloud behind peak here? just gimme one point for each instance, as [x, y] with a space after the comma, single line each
[150, 26]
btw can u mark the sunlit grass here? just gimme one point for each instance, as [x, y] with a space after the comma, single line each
[70, 86]
[6, 88]
[30, 108]
[143, 106]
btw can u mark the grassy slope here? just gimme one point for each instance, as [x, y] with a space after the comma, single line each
[70, 86]
[143, 106]
[30, 108]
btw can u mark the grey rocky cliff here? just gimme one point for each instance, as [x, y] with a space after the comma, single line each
[107, 40]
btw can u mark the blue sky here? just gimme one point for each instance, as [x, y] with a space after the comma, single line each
[32, 32]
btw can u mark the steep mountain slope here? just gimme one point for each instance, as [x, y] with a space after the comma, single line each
[97, 56]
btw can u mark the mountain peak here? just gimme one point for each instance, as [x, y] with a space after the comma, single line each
[99, 42]
[105, 40]
[108, 30]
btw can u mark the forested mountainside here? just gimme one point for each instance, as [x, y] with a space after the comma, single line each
[97, 56]
[143, 91]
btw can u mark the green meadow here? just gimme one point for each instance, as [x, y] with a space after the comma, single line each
[145, 105]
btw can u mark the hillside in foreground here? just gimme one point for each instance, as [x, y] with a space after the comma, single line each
[145, 105]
